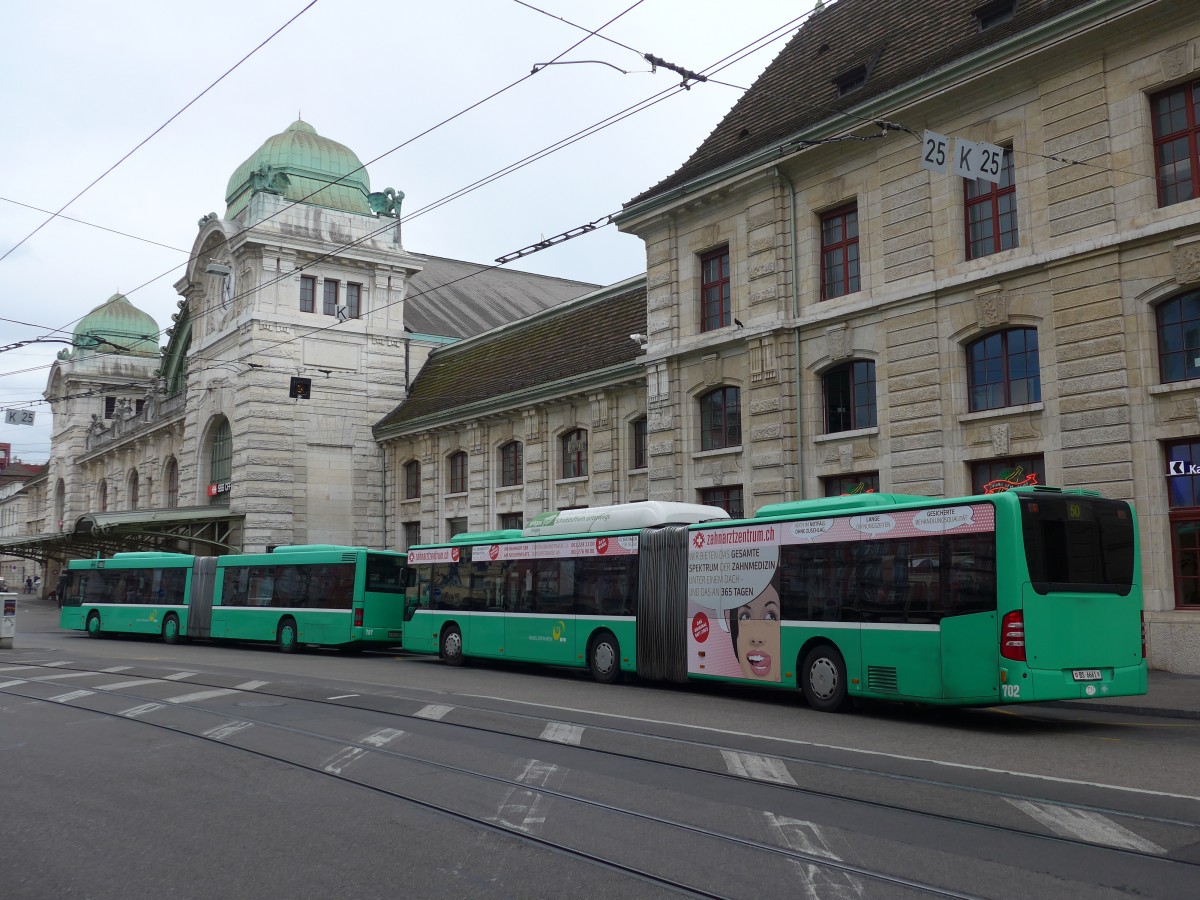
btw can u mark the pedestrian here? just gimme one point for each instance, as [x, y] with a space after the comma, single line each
[29, 585]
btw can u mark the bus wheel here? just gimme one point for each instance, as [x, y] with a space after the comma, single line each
[170, 633]
[823, 678]
[604, 658]
[452, 646]
[286, 636]
[93, 625]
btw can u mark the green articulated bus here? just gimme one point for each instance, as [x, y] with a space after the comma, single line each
[323, 595]
[1028, 595]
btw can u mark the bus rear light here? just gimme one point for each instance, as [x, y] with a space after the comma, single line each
[1012, 636]
[358, 617]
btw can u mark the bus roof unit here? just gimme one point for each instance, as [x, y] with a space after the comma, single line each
[623, 517]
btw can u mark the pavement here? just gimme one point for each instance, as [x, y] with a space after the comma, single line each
[1170, 694]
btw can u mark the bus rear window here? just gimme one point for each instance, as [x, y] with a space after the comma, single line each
[1078, 544]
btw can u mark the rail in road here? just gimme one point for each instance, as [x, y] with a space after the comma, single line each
[801, 817]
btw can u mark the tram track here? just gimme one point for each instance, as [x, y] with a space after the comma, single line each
[594, 806]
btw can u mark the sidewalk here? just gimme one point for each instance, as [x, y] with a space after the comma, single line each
[1171, 695]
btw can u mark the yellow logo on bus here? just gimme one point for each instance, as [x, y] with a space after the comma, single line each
[559, 629]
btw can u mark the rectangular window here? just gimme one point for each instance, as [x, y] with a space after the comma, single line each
[412, 534]
[1176, 119]
[354, 301]
[728, 498]
[458, 473]
[714, 290]
[456, 526]
[512, 520]
[308, 293]
[640, 444]
[991, 212]
[839, 252]
[841, 485]
[1078, 544]
[1001, 474]
[331, 297]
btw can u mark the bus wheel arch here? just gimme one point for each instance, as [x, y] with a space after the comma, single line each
[287, 636]
[450, 645]
[93, 624]
[822, 676]
[170, 629]
[604, 657]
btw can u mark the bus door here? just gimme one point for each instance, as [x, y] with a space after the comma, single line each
[489, 582]
[383, 597]
[540, 627]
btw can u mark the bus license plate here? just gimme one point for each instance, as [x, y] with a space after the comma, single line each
[1087, 675]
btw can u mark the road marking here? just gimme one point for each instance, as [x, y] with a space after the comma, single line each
[433, 711]
[523, 809]
[56, 664]
[1086, 825]
[881, 754]
[223, 731]
[178, 676]
[73, 695]
[62, 676]
[117, 669]
[562, 733]
[760, 768]
[14, 683]
[17, 668]
[134, 711]
[817, 881]
[251, 685]
[382, 737]
[200, 695]
[343, 758]
[341, 696]
[118, 685]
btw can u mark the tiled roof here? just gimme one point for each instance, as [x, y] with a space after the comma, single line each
[448, 298]
[898, 41]
[588, 335]
[19, 471]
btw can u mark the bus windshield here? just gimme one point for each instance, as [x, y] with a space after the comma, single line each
[1078, 544]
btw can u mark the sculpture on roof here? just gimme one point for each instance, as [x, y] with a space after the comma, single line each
[268, 179]
[386, 202]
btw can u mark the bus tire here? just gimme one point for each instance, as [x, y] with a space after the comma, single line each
[170, 632]
[823, 678]
[93, 624]
[451, 647]
[286, 636]
[604, 658]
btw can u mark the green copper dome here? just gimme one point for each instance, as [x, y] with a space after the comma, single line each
[300, 165]
[116, 326]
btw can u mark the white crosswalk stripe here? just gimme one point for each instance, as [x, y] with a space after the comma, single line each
[62, 676]
[117, 669]
[121, 685]
[134, 711]
[229, 728]
[251, 685]
[382, 737]
[760, 768]
[201, 695]
[433, 711]
[13, 683]
[73, 695]
[562, 733]
[1085, 825]
[178, 676]
[815, 881]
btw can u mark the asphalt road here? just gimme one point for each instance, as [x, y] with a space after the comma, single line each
[133, 769]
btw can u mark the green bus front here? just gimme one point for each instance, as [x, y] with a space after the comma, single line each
[322, 595]
[128, 593]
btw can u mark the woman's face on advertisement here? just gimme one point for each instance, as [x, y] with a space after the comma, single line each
[758, 639]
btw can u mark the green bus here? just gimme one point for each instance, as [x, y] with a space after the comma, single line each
[314, 595]
[1028, 595]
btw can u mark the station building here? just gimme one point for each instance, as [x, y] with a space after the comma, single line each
[825, 311]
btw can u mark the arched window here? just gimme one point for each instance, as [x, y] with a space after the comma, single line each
[512, 464]
[574, 454]
[1003, 370]
[220, 464]
[641, 446]
[102, 496]
[849, 396]
[132, 489]
[721, 419]
[1179, 337]
[60, 504]
[412, 479]
[456, 471]
[172, 479]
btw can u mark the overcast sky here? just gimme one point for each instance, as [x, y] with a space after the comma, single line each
[83, 83]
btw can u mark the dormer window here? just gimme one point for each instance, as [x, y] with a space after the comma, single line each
[851, 81]
[996, 13]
